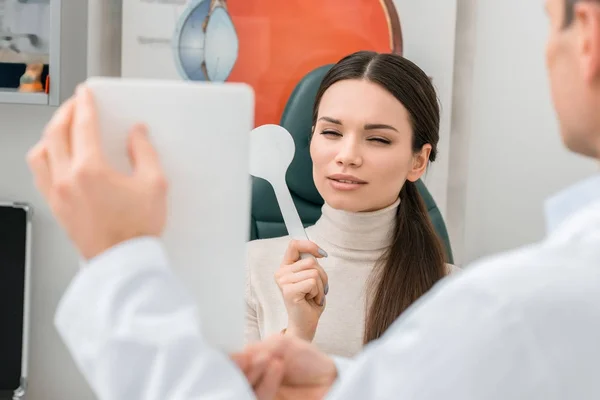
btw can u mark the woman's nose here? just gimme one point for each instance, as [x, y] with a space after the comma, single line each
[349, 154]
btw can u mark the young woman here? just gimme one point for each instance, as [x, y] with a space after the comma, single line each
[374, 250]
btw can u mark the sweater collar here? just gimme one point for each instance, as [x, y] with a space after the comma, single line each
[364, 231]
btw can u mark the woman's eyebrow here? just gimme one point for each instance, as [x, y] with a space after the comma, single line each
[331, 120]
[379, 126]
[367, 127]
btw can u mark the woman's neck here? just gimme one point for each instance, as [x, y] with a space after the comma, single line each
[352, 231]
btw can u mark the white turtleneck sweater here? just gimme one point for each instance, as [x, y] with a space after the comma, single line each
[354, 242]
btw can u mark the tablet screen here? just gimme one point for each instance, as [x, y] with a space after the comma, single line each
[13, 250]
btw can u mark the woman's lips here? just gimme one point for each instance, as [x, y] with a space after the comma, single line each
[345, 184]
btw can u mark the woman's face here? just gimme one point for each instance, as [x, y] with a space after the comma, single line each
[362, 147]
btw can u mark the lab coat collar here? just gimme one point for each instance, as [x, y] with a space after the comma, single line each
[565, 204]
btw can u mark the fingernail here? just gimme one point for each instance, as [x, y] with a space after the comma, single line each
[322, 252]
[326, 288]
[323, 301]
[142, 129]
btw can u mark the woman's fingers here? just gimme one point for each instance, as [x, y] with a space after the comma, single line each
[310, 263]
[308, 268]
[311, 275]
[319, 298]
[300, 276]
[307, 288]
[297, 247]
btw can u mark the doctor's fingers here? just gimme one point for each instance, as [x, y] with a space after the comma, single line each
[256, 366]
[253, 368]
[85, 134]
[57, 138]
[270, 382]
[263, 373]
[37, 159]
[143, 156]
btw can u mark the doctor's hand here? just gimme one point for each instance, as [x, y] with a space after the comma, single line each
[98, 206]
[303, 371]
[303, 284]
[263, 372]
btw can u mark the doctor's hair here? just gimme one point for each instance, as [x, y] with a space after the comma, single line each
[415, 259]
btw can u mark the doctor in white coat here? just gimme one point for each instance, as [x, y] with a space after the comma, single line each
[522, 325]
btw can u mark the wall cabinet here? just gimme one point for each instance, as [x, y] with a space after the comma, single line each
[48, 32]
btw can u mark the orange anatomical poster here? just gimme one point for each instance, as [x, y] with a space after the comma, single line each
[280, 41]
[269, 44]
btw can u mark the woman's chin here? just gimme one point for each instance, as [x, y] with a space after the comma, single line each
[343, 203]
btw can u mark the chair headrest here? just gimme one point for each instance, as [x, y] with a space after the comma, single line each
[297, 119]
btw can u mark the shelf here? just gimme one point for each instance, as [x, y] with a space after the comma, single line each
[15, 97]
[31, 29]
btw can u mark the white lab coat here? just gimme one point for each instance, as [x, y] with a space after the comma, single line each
[524, 325]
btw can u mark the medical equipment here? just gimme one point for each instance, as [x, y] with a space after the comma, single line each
[200, 131]
[271, 152]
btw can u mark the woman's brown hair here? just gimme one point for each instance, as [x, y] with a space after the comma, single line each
[415, 259]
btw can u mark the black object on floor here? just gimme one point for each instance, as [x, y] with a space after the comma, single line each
[13, 250]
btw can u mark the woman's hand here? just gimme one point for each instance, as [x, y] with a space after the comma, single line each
[303, 284]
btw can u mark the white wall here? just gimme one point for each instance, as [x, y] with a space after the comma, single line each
[429, 42]
[52, 373]
[514, 153]
[458, 163]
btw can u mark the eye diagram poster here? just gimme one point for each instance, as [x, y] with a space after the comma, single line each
[273, 44]
[268, 44]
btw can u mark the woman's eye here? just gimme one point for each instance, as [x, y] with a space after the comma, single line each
[380, 140]
[330, 133]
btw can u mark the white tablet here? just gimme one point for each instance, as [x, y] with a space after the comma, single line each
[201, 133]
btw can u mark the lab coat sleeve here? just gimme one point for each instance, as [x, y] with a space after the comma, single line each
[133, 331]
[342, 365]
[458, 342]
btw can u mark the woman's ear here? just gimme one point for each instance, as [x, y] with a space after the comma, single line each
[419, 163]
